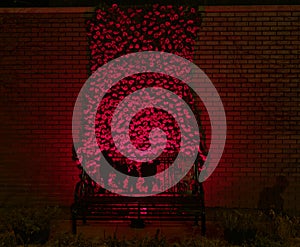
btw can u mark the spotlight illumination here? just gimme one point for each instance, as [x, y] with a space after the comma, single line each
[115, 32]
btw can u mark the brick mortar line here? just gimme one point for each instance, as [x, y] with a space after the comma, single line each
[216, 9]
[253, 8]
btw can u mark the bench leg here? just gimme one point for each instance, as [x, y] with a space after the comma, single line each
[203, 215]
[74, 224]
[203, 223]
[84, 210]
[196, 220]
[83, 217]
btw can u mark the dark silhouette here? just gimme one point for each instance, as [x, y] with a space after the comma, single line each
[116, 165]
[132, 174]
[270, 198]
[104, 173]
[122, 168]
[149, 169]
[74, 153]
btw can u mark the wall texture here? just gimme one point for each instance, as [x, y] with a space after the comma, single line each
[251, 54]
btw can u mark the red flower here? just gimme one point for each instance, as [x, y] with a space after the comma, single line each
[155, 6]
[163, 8]
[162, 26]
[154, 32]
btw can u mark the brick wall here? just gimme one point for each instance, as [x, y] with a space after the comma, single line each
[251, 54]
[43, 66]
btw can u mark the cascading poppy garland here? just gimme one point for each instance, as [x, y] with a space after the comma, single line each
[116, 31]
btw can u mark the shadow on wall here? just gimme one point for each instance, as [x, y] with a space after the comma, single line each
[270, 198]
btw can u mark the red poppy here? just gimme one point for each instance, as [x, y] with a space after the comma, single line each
[110, 37]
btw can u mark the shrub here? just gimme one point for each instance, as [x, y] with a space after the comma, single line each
[278, 227]
[199, 242]
[239, 228]
[263, 241]
[70, 240]
[157, 240]
[7, 239]
[31, 225]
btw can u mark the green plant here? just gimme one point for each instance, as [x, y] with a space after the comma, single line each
[157, 240]
[263, 241]
[239, 228]
[71, 240]
[113, 241]
[7, 239]
[199, 242]
[154, 241]
[278, 227]
[296, 226]
[31, 224]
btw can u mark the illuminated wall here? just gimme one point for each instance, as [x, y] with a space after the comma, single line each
[250, 54]
[116, 31]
